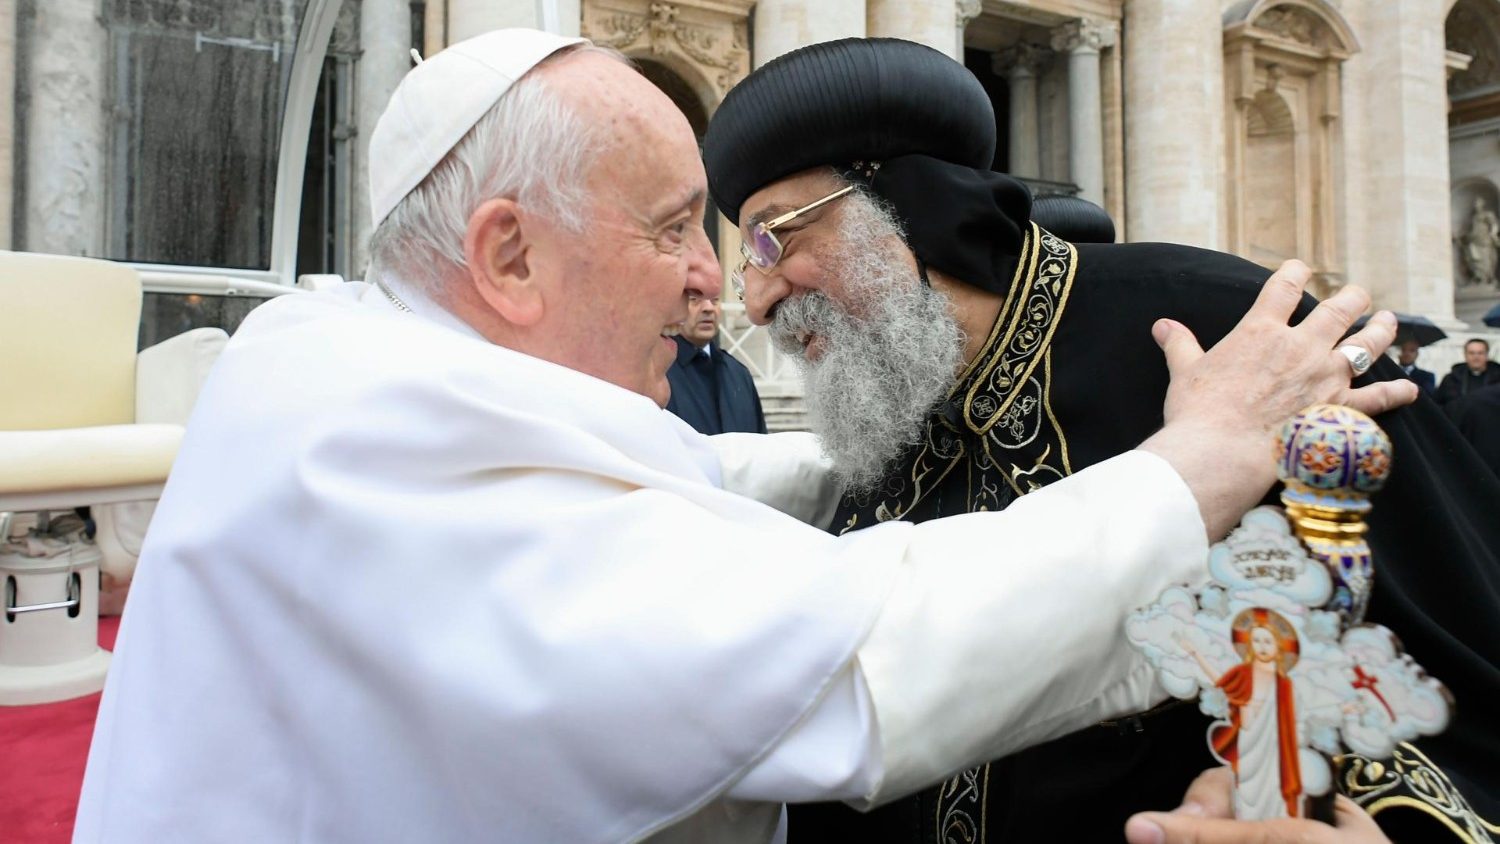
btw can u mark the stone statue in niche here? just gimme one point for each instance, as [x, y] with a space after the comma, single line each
[1479, 244]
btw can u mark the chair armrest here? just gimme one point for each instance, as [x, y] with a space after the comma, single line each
[169, 375]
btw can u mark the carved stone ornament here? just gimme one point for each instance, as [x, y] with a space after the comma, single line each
[967, 10]
[1084, 34]
[1293, 24]
[713, 41]
[1021, 59]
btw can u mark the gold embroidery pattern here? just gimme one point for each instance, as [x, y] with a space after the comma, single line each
[1006, 401]
[1412, 781]
[962, 802]
[1030, 325]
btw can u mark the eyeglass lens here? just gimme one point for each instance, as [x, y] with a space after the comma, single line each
[763, 248]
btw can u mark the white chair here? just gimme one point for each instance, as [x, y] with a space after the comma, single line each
[168, 377]
[70, 436]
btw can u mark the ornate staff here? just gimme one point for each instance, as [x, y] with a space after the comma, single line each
[1331, 460]
[1274, 647]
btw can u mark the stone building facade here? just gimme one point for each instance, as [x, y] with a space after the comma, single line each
[1362, 136]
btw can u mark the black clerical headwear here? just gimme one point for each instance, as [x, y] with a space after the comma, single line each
[920, 114]
[1073, 219]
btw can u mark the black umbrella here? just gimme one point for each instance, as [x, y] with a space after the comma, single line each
[1411, 327]
[1492, 317]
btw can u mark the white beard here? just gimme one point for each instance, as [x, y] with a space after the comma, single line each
[881, 370]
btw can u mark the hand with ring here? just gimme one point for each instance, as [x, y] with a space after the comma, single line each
[1224, 406]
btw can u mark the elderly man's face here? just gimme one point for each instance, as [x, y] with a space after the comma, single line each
[877, 348]
[808, 243]
[626, 281]
[1477, 356]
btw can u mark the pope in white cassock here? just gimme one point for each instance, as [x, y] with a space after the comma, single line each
[414, 576]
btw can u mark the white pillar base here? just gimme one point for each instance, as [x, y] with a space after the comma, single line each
[23, 686]
[48, 655]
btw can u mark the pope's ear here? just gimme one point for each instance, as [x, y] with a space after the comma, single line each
[500, 255]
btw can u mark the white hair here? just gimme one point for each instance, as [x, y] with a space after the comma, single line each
[890, 351]
[531, 146]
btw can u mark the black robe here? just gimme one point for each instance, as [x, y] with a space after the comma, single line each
[1070, 377]
[1477, 416]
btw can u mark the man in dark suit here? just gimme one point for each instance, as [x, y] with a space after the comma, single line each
[1475, 373]
[1407, 358]
[711, 390]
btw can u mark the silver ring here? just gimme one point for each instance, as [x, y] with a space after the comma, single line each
[1359, 359]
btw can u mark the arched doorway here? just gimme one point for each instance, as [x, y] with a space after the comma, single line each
[1472, 33]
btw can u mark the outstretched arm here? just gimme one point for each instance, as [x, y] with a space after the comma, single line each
[1208, 670]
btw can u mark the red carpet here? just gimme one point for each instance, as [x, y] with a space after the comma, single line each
[43, 749]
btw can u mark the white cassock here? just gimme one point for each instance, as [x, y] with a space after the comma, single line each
[406, 585]
[1257, 793]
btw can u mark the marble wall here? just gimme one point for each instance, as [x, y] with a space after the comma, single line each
[7, 117]
[385, 39]
[1174, 122]
[467, 18]
[934, 23]
[1396, 106]
[66, 135]
[784, 25]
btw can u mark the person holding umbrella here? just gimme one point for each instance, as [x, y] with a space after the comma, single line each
[1412, 333]
[1407, 358]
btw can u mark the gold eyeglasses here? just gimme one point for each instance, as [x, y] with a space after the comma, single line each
[763, 250]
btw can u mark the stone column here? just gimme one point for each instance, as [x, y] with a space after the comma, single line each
[1397, 157]
[784, 25]
[1020, 65]
[1174, 121]
[468, 18]
[930, 22]
[7, 115]
[1082, 40]
[434, 27]
[966, 11]
[66, 132]
[384, 40]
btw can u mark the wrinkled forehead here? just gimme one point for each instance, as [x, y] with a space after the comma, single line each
[648, 150]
